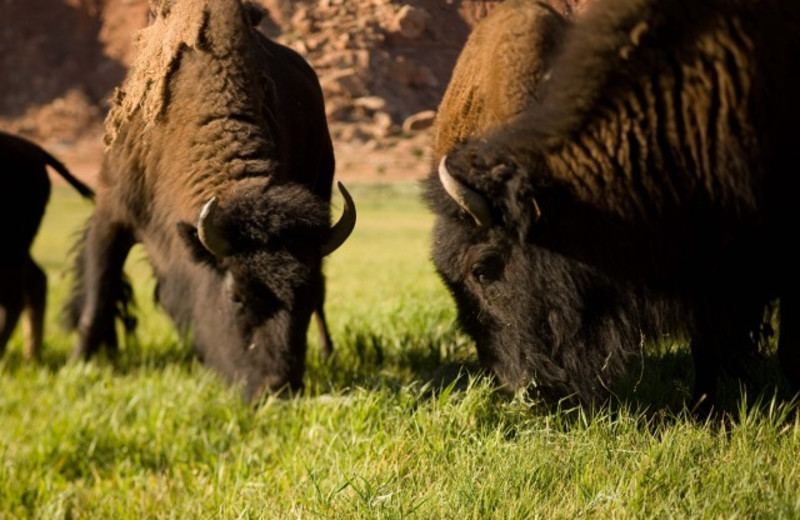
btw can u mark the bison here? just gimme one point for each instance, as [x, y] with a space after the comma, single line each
[645, 190]
[219, 162]
[25, 188]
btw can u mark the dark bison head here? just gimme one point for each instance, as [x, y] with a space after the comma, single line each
[262, 247]
[540, 320]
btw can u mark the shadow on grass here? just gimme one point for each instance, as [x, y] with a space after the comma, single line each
[442, 360]
[658, 386]
[661, 384]
[131, 357]
[373, 360]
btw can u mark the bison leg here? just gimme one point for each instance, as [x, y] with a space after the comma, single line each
[705, 347]
[105, 248]
[35, 302]
[10, 306]
[325, 343]
[789, 343]
[722, 340]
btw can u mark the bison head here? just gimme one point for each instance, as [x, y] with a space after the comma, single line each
[540, 319]
[262, 246]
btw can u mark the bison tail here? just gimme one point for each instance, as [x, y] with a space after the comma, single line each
[58, 166]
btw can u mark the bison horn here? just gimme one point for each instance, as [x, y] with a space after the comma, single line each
[208, 230]
[342, 229]
[470, 200]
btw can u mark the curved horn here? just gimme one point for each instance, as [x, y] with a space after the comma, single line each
[342, 229]
[208, 231]
[470, 200]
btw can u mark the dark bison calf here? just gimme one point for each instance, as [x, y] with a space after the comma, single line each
[25, 190]
[648, 189]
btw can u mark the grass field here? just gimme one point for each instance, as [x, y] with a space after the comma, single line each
[386, 429]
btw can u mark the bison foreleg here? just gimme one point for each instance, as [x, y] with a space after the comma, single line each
[789, 342]
[34, 300]
[705, 347]
[325, 343]
[106, 247]
[722, 340]
[10, 306]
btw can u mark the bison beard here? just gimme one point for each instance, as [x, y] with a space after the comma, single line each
[219, 162]
[644, 191]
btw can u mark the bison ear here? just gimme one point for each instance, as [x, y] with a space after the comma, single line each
[197, 250]
[254, 13]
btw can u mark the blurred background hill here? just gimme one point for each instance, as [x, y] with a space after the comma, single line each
[383, 66]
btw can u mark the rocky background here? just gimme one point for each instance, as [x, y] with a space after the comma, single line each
[383, 66]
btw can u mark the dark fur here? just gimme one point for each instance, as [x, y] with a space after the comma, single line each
[240, 117]
[660, 156]
[25, 188]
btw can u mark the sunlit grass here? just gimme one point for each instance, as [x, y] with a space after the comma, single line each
[386, 429]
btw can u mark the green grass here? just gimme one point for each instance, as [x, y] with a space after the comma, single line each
[385, 429]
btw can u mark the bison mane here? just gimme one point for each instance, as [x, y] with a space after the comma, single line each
[159, 47]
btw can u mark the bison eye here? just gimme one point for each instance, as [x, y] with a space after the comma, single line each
[230, 289]
[487, 270]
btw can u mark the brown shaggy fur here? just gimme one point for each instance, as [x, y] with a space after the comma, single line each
[498, 71]
[158, 49]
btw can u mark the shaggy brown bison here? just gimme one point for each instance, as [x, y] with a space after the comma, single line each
[25, 190]
[646, 190]
[220, 163]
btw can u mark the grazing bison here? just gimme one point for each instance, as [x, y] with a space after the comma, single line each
[647, 189]
[25, 189]
[220, 163]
